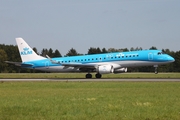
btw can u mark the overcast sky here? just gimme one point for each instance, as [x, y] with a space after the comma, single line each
[81, 24]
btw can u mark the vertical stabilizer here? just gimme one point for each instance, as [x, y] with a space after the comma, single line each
[26, 52]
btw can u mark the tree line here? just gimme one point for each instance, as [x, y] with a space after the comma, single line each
[11, 53]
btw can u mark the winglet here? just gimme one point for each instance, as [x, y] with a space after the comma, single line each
[52, 61]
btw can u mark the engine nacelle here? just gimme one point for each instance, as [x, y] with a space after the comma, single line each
[105, 69]
[121, 70]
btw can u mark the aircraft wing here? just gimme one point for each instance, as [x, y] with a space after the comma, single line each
[79, 65]
[89, 65]
[76, 65]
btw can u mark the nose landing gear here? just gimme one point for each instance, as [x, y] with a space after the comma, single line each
[156, 69]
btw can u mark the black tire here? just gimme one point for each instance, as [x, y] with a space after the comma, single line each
[88, 76]
[98, 75]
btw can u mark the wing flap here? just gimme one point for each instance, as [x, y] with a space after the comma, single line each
[79, 65]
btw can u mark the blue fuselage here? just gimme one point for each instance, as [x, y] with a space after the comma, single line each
[117, 60]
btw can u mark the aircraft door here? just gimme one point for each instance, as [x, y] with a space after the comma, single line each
[150, 56]
[46, 64]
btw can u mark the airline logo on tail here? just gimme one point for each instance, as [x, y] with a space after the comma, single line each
[26, 51]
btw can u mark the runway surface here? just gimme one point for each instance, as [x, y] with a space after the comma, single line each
[92, 80]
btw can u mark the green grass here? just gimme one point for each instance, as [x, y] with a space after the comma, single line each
[90, 100]
[82, 75]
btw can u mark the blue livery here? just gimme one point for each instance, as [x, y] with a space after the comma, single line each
[116, 62]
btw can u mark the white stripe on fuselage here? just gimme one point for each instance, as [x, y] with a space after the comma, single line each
[115, 64]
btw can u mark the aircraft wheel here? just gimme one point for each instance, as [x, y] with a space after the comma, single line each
[88, 76]
[98, 75]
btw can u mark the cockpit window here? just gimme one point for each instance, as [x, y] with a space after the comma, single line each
[160, 53]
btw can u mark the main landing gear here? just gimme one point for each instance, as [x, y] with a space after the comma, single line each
[90, 75]
[98, 75]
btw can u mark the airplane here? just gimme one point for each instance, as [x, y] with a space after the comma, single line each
[116, 62]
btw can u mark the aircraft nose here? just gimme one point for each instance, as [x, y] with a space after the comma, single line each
[171, 59]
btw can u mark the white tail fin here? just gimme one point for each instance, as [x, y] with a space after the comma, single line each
[26, 52]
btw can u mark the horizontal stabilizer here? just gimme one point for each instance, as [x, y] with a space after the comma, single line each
[14, 63]
[20, 64]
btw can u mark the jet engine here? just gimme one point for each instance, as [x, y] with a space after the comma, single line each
[121, 70]
[105, 69]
